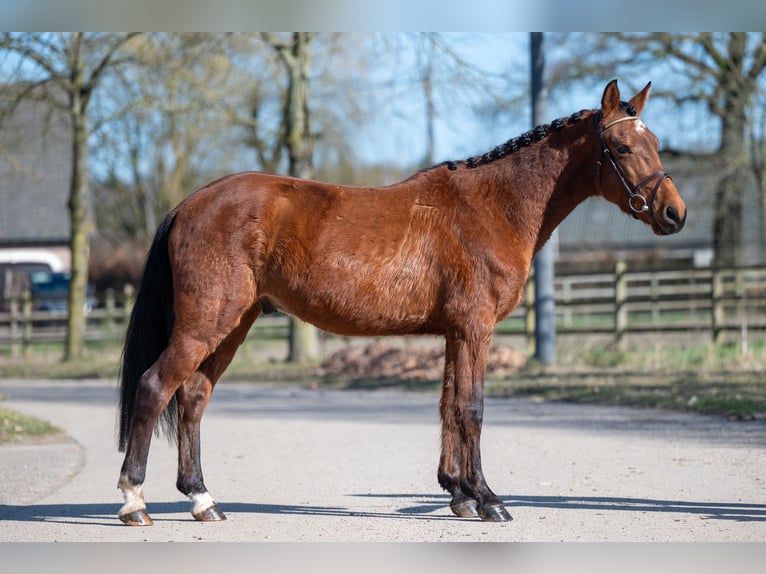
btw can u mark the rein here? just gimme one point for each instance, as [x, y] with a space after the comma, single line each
[637, 202]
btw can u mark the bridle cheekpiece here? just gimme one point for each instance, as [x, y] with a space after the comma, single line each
[637, 202]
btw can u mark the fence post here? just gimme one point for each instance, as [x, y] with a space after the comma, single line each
[26, 310]
[109, 306]
[620, 298]
[742, 314]
[739, 282]
[14, 326]
[718, 308]
[529, 305]
[566, 296]
[129, 292]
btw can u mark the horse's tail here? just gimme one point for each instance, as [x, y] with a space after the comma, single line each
[151, 323]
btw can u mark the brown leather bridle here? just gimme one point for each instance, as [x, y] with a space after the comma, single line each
[637, 202]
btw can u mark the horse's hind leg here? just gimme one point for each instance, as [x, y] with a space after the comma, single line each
[187, 351]
[154, 392]
[193, 396]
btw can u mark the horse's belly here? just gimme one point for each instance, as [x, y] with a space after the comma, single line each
[351, 302]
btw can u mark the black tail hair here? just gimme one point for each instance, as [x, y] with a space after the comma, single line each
[151, 323]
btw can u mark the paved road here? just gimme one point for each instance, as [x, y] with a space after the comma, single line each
[295, 464]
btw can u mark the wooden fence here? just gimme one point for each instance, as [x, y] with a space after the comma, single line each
[705, 302]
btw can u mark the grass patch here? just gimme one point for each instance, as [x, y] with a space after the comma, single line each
[16, 427]
[45, 361]
[740, 395]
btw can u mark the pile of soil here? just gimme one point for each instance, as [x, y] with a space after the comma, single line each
[382, 360]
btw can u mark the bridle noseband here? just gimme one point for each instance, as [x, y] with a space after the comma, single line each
[637, 202]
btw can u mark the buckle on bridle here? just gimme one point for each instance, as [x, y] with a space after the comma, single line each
[637, 203]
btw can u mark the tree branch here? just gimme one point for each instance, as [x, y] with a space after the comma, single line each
[25, 50]
[281, 48]
[105, 61]
[759, 60]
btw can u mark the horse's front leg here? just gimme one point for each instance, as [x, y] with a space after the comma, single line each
[462, 408]
[449, 475]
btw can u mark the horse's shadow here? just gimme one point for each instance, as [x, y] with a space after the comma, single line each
[424, 507]
[737, 511]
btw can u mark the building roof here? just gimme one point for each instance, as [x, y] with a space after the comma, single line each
[35, 168]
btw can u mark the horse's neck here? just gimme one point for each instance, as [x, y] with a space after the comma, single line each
[547, 182]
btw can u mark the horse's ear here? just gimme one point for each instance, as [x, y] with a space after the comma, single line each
[640, 98]
[610, 101]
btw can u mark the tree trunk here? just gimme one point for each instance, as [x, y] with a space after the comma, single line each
[304, 337]
[298, 137]
[727, 224]
[79, 244]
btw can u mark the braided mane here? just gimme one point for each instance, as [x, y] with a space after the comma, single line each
[524, 140]
[514, 144]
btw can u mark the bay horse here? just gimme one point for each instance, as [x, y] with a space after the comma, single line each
[445, 252]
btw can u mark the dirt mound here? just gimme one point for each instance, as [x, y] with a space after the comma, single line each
[381, 360]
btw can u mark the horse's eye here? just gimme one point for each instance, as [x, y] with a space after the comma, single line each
[623, 149]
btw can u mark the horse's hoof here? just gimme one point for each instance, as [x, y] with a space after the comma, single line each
[465, 509]
[496, 513]
[136, 518]
[212, 514]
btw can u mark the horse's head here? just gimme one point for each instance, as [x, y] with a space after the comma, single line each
[629, 168]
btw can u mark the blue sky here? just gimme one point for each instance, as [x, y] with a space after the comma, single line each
[397, 135]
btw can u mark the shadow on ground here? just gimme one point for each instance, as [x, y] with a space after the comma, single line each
[422, 507]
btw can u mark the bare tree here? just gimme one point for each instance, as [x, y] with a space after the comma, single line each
[73, 65]
[173, 132]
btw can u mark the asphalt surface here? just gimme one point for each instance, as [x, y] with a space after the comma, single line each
[295, 464]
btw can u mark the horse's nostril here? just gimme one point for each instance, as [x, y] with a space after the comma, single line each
[672, 215]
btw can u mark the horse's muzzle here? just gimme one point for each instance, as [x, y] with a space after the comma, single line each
[672, 221]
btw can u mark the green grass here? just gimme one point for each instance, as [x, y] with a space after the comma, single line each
[736, 396]
[45, 360]
[16, 427]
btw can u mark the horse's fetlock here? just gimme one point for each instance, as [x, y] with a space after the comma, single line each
[190, 486]
[447, 481]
